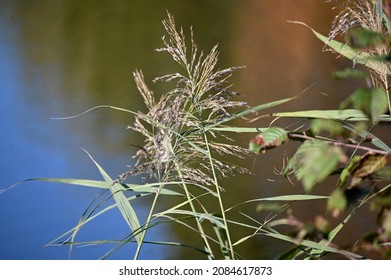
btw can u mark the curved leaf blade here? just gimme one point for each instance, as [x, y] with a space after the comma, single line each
[347, 51]
[120, 199]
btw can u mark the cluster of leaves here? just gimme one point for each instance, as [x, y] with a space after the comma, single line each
[339, 142]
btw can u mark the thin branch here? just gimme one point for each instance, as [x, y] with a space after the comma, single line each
[300, 137]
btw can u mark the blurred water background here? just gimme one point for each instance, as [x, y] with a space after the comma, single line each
[59, 58]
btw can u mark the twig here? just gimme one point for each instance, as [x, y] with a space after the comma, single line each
[294, 136]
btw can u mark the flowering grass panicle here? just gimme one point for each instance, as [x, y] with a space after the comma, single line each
[175, 124]
[179, 147]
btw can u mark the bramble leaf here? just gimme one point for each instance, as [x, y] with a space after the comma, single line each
[269, 138]
[313, 161]
[372, 102]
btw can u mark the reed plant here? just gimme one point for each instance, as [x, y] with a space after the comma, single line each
[187, 151]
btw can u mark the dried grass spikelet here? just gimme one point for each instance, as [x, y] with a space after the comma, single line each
[365, 14]
[173, 128]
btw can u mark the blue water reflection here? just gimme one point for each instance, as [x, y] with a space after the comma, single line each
[32, 145]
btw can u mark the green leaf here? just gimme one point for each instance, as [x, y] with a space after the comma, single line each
[292, 197]
[347, 171]
[321, 246]
[120, 199]
[90, 218]
[337, 201]
[372, 102]
[361, 38]
[291, 254]
[313, 161]
[386, 225]
[347, 51]
[251, 110]
[342, 115]
[367, 136]
[334, 232]
[269, 138]
[146, 188]
[384, 173]
[269, 206]
[350, 73]
[331, 126]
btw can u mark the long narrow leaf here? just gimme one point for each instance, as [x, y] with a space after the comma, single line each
[315, 245]
[369, 136]
[120, 199]
[251, 111]
[289, 198]
[342, 115]
[346, 51]
[146, 188]
[89, 219]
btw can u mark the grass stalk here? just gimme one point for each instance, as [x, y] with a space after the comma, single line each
[222, 209]
[144, 231]
[199, 225]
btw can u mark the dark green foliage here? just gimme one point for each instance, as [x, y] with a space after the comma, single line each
[361, 38]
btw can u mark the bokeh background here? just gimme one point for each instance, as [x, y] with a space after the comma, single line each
[61, 57]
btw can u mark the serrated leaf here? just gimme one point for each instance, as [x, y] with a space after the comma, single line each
[313, 161]
[372, 102]
[269, 138]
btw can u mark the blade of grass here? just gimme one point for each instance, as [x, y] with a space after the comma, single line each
[293, 197]
[146, 188]
[345, 50]
[122, 203]
[342, 115]
[315, 245]
[367, 135]
[251, 110]
[92, 217]
[222, 210]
